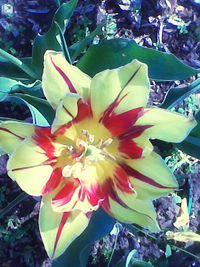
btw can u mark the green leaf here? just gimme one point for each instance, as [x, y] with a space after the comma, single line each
[9, 86]
[196, 131]
[42, 113]
[8, 69]
[118, 52]
[76, 49]
[190, 146]
[77, 253]
[50, 40]
[176, 95]
[63, 44]
[6, 85]
[20, 65]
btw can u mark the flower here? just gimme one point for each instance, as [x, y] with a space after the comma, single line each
[97, 152]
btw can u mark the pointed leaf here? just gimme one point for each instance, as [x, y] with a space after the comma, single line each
[41, 111]
[118, 52]
[49, 41]
[190, 146]
[20, 65]
[196, 131]
[76, 49]
[176, 95]
[9, 86]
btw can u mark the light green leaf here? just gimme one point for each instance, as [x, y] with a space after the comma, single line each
[63, 44]
[9, 86]
[118, 52]
[196, 131]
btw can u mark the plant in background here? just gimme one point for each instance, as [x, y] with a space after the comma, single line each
[88, 147]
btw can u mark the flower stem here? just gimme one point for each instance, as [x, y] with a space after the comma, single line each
[12, 204]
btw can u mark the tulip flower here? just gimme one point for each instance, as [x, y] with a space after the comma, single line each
[97, 152]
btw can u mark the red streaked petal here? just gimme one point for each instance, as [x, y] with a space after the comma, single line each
[65, 196]
[64, 76]
[129, 149]
[44, 139]
[53, 181]
[84, 111]
[150, 176]
[134, 132]
[73, 109]
[12, 133]
[119, 124]
[29, 166]
[59, 78]
[139, 176]
[128, 89]
[108, 191]
[121, 181]
[166, 125]
[63, 221]
[58, 229]
[76, 196]
[140, 213]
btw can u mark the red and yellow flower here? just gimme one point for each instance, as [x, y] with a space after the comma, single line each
[96, 154]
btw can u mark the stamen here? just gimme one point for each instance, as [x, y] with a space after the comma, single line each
[70, 148]
[102, 144]
[89, 137]
[108, 155]
[107, 142]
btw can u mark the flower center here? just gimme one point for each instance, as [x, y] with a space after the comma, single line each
[85, 153]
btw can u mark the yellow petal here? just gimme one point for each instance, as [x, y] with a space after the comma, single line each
[59, 230]
[135, 215]
[151, 178]
[183, 220]
[124, 88]
[73, 108]
[60, 78]
[183, 236]
[12, 133]
[27, 165]
[166, 125]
